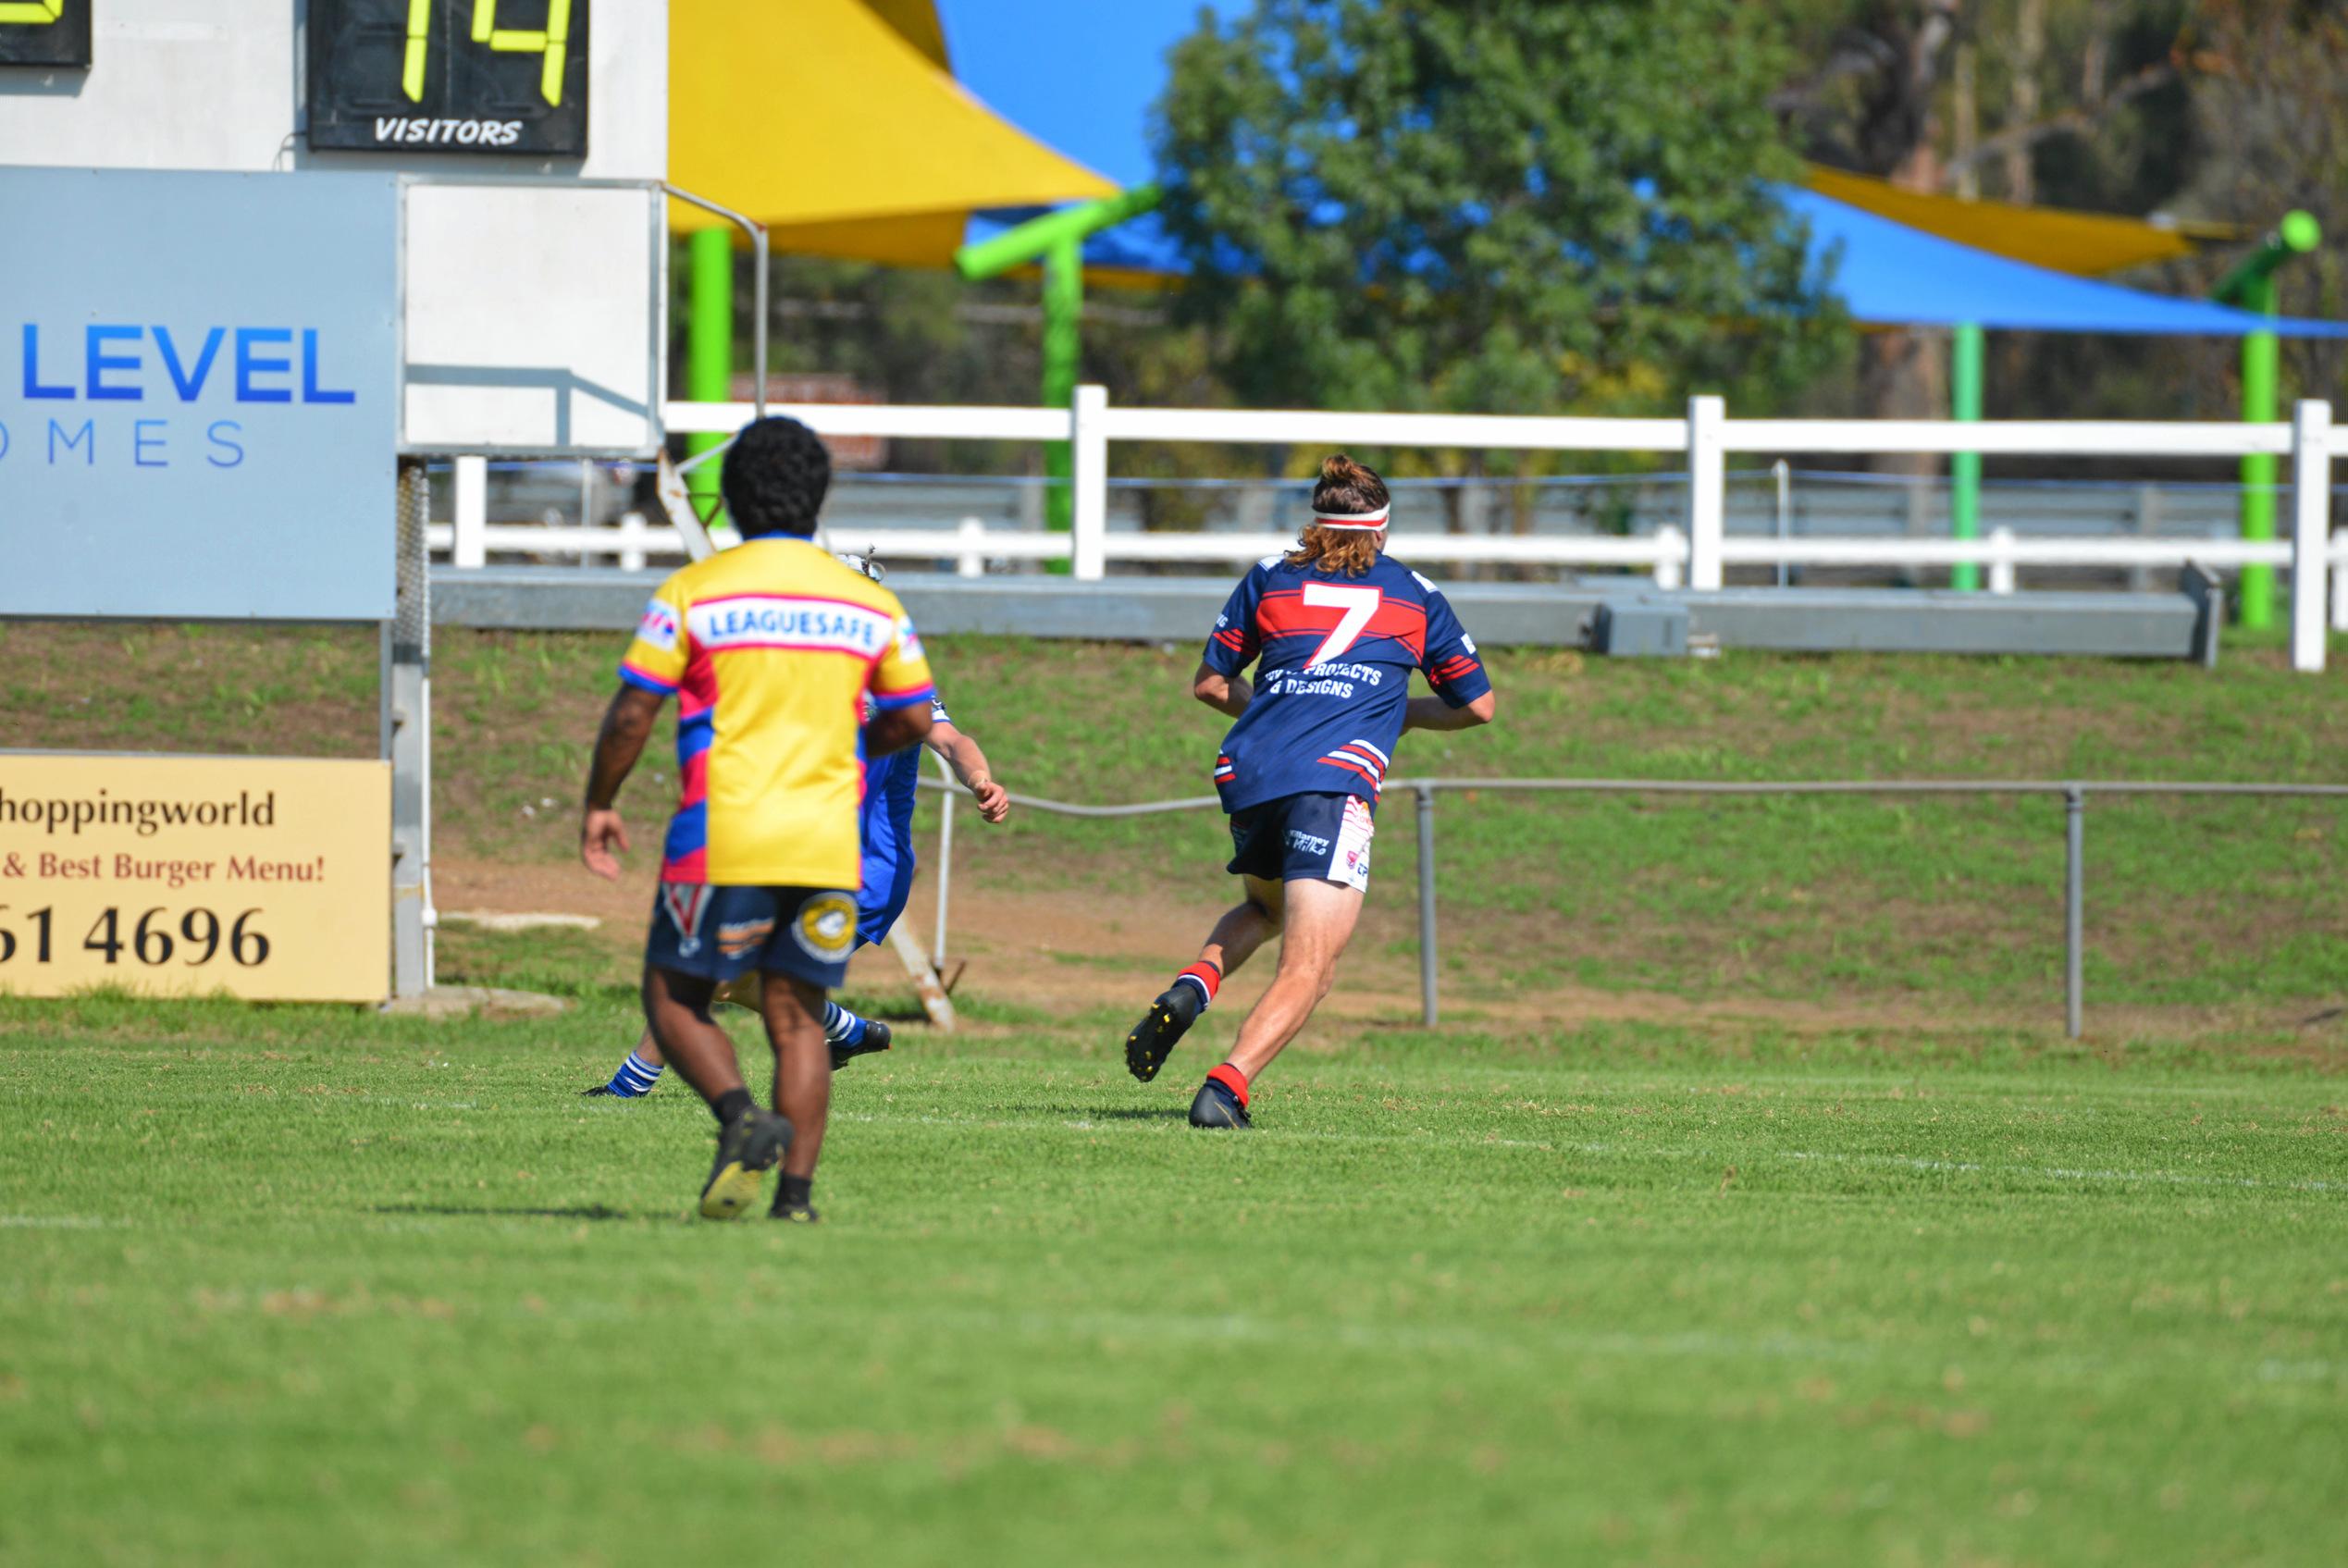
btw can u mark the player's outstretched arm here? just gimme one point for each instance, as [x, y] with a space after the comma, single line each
[1227, 694]
[1434, 714]
[962, 755]
[627, 723]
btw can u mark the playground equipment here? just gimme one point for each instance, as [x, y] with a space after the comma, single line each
[2251, 286]
[1057, 240]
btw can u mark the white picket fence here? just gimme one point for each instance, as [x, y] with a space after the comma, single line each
[1696, 559]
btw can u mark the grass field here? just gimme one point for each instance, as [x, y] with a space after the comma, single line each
[1751, 1210]
[298, 1285]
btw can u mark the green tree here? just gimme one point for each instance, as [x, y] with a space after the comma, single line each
[1491, 205]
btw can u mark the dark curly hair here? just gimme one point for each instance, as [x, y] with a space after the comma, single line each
[776, 473]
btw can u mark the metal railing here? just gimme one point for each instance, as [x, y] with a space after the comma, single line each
[2074, 793]
[1706, 437]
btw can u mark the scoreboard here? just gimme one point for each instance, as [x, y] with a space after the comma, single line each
[446, 76]
[525, 141]
[44, 33]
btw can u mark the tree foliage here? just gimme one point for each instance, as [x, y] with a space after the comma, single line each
[1504, 206]
[2271, 120]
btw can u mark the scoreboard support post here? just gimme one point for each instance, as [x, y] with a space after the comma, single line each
[407, 742]
[709, 331]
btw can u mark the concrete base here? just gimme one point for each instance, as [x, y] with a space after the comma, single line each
[470, 1001]
[1179, 611]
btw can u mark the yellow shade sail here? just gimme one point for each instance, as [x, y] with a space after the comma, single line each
[916, 22]
[2086, 244]
[840, 129]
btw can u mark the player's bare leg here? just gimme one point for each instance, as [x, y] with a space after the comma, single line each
[1242, 929]
[794, 1013]
[751, 1140]
[1246, 926]
[677, 1009]
[1320, 921]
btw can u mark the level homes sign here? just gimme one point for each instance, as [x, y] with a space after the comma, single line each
[198, 394]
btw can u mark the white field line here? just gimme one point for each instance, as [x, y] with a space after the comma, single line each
[1319, 1334]
[57, 1222]
[2058, 1173]
[1995, 1084]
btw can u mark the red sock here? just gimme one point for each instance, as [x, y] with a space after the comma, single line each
[1209, 978]
[1232, 1078]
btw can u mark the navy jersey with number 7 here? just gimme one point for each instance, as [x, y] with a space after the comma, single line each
[1337, 653]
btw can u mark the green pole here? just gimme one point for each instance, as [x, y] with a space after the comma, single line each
[1964, 467]
[2251, 286]
[2261, 358]
[1063, 316]
[1038, 235]
[708, 346]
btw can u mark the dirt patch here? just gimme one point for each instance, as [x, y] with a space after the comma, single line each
[1058, 952]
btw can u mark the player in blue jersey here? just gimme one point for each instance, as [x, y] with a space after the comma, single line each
[1338, 626]
[887, 830]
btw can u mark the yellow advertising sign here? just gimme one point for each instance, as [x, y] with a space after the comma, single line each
[267, 877]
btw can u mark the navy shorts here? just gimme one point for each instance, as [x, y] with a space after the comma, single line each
[1305, 838]
[721, 933]
[888, 877]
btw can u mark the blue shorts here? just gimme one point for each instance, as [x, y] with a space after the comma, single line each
[1305, 838]
[721, 933]
[888, 884]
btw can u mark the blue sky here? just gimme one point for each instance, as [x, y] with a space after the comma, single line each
[1079, 75]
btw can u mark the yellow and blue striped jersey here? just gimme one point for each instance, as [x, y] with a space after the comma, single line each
[771, 649]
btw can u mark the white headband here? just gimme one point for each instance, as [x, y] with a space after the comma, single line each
[1364, 521]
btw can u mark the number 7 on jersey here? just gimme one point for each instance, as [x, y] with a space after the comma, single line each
[1358, 604]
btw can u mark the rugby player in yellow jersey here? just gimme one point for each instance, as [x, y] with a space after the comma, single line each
[889, 790]
[773, 649]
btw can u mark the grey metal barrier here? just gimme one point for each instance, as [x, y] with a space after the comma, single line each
[2074, 793]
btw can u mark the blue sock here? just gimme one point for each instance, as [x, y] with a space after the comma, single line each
[635, 1078]
[842, 1026]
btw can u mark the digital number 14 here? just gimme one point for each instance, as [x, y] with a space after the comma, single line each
[551, 43]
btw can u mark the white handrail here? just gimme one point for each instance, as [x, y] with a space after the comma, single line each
[2000, 437]
[1814, 550]
[1543, 549]
[908, 420]
[1312, 428]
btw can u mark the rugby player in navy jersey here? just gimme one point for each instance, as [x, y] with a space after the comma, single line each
[1338, 626]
